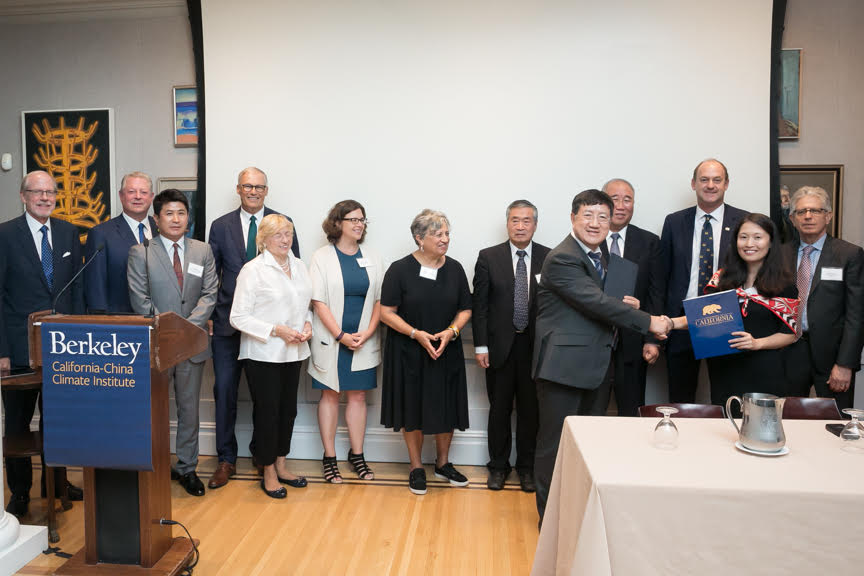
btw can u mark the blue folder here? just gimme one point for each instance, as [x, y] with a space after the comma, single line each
[711, 320]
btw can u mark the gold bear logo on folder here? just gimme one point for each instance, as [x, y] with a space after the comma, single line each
[711, 309]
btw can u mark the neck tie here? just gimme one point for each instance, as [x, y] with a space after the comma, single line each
[178, 269]
[598, 265]
[251, 249]
[47, 258]
[803, 281]
[615, 249]
[140, 232]
[706, 255]
[520, 293]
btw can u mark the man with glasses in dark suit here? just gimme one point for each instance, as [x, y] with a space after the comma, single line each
[831, 288]
[39, 255]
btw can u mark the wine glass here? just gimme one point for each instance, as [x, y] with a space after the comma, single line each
[853, 433]
[666, 433]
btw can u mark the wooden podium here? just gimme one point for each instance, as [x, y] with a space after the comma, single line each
[123, 509]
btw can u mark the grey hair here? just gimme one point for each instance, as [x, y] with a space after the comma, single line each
[817, 191]
[521, 204]
[142, 175]
[428, 221]
[251, 170]
[23, 188]
[622, 180]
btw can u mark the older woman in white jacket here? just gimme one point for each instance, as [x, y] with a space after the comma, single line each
[346, 293]
[271, 310]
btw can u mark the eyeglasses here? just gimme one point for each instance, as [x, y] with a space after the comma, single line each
[49, 193]
[814, 211]
[256, 187]
[363, 221]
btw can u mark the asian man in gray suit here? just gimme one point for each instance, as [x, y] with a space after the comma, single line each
[575, 320]
[173, 273]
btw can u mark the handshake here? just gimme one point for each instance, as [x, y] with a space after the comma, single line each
[660, 326]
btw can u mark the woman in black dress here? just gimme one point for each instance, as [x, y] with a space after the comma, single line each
[766, 290]
[425, 301]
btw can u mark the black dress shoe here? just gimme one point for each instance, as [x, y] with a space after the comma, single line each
[279, 493]
[192, 483]
[18, 505]
[496, 480]
[526, 481]
[299, 482]
[74, 493]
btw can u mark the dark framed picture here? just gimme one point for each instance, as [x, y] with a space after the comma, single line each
[789, 108]
[185, 117]
[77, 148]
[826, 176]
[189, 187]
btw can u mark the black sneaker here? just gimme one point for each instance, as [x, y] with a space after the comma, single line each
[448, 472]
[417, 481]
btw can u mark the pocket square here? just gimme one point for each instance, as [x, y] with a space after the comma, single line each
[66, 254]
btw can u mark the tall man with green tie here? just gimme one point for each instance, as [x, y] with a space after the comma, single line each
[232, 239]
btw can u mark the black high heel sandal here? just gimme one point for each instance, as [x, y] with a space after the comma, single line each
[331, 470]
[360, 467]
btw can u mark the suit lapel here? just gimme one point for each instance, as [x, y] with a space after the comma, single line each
[235, 230]
[29, 248]
[826, 257]
[689, 230]
[725, 231]
[123, 230]
[586, 260]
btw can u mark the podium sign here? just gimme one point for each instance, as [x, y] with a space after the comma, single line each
[96, 396]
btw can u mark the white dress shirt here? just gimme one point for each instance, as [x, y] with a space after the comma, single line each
[245, 218]
[169, 248]
[36, 230]
[623, 235]
[818, 246]
[265, 297]
[716, 233]
[133, 225]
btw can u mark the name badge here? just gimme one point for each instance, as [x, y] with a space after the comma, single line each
[430, 273]
[195, 269]
[832, 274]
[538, 278]
[364, 262]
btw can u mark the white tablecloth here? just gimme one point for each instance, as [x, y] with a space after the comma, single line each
[617, 505]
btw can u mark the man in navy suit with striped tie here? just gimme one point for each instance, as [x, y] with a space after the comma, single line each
[232, 239]
[106, 288]
[39, 255]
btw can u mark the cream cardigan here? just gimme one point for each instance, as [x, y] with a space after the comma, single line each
[327, 287]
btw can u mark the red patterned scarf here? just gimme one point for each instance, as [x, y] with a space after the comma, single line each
[786, 309]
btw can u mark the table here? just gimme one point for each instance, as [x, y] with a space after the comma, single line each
[617, 505]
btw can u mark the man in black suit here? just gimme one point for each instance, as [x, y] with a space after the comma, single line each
[232, 239]
[505, 286]
[831, 287]
[575, 321]
[106, 288]
[632, 350]
[693, 246]
[39, 255]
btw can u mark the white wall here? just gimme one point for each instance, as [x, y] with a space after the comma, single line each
[465, 106]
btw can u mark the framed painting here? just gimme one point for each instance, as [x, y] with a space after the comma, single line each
[185, 116]
[77, 148]
[789, 108]
[189, 187]
[826, 176]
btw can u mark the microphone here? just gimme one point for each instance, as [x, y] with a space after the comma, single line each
[146, 243]
[99, 249]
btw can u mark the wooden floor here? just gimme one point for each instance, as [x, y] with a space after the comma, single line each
[359, 527]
